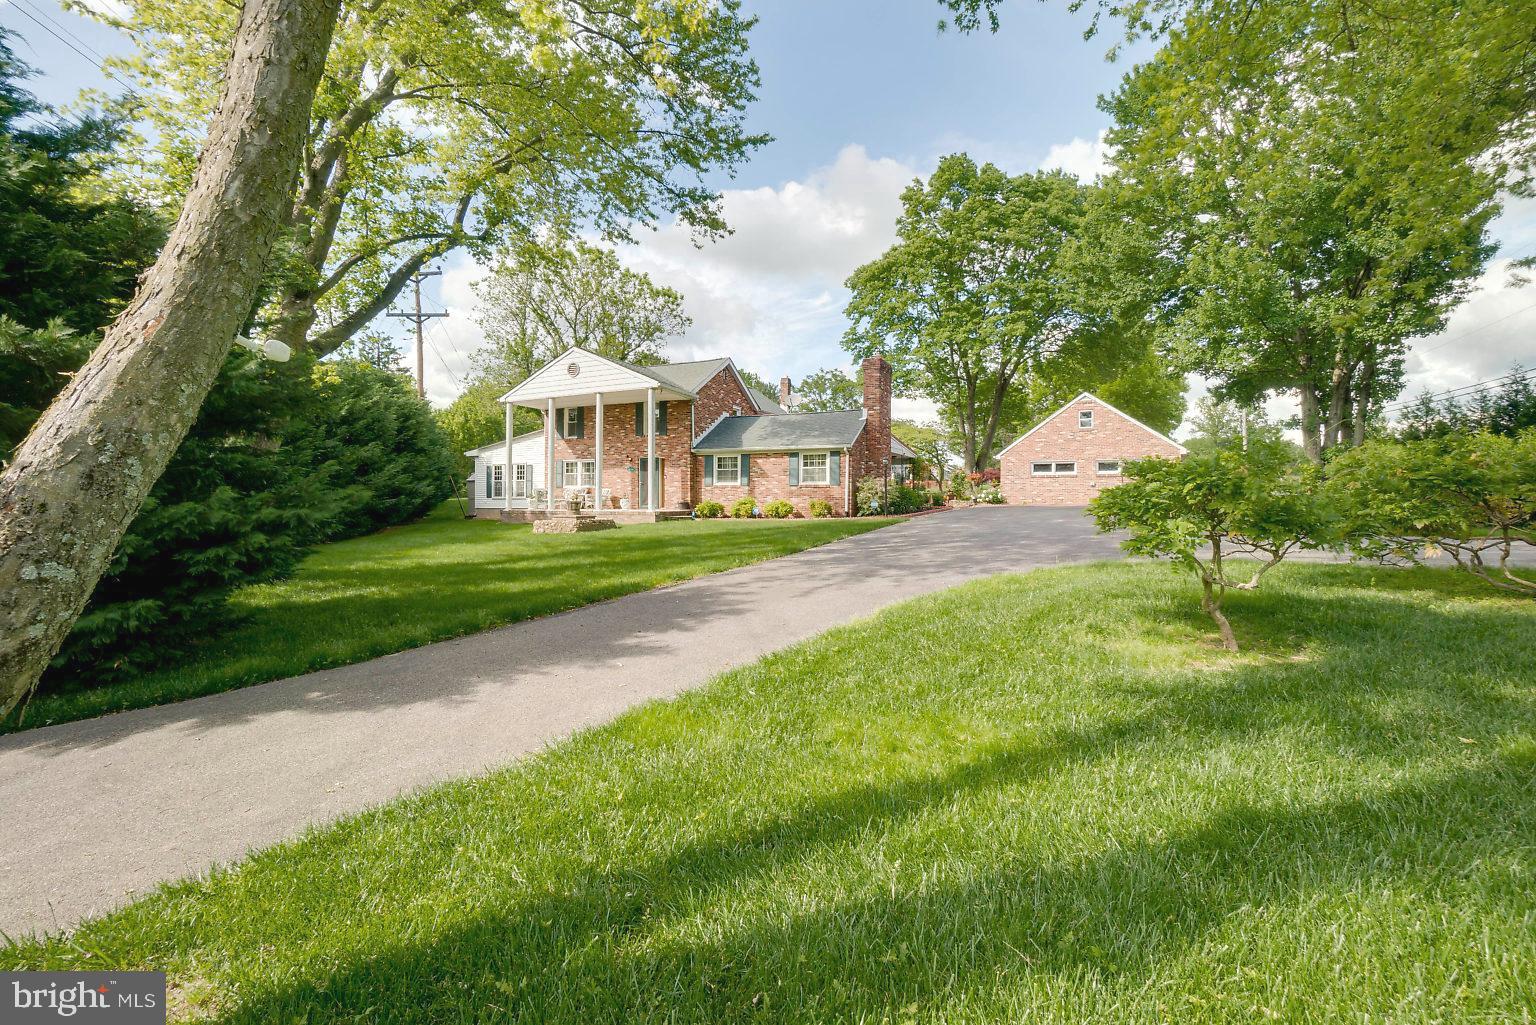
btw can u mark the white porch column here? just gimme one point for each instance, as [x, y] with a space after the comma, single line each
[506, 473]
[549, 457]
[650, 449]
[597, 469]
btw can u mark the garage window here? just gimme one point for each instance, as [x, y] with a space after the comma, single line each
[1109, 466]
[1053, 469]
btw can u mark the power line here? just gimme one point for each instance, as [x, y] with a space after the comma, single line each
[69, 39]
[1454, 393]
[1475, 330]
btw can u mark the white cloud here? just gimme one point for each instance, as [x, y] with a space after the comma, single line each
[1085, 159]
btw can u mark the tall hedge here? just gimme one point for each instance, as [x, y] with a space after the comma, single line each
[280, 458]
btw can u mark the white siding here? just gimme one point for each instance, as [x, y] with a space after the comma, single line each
[526, 449]
[595, 374]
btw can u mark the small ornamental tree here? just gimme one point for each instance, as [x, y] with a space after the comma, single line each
[1470, 495]
[1204, 511]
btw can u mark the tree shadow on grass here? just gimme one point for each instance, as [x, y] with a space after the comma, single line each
[628, 944]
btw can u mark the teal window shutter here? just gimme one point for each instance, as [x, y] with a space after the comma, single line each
[661, 417]
[487, 480]
[639, 419]
[581, 421]
[833, 461]
[559, 423]
[709, 471]
[744, 478]
[794, 468]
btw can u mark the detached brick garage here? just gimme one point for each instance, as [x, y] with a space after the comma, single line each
[1076, 452]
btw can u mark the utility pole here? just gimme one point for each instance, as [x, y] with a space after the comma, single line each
[419, 318]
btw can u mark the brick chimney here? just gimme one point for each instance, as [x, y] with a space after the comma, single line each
[784, 392]
[876, 457]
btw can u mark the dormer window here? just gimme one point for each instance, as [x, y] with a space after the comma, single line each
[1085, 418]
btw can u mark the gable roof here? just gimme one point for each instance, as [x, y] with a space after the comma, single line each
[785, 432]
[766, 404]
[901, 448]
[1089, 395]
[688, 377]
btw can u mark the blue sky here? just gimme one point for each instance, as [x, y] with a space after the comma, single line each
[862, 96]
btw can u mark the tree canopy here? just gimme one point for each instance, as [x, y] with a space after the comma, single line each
[555, 297]
[826, 390]
[475, 124]
[980, 303]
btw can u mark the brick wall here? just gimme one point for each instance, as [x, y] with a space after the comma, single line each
[1060, 439]
[624, 451]
[768, 474]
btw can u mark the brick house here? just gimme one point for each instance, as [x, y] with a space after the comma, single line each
[710, 437]
[1076, 452]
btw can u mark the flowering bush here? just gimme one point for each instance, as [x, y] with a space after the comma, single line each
[989, 494]
[708, 510]
[778, 509]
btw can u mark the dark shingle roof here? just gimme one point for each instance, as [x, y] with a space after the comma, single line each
[785, 432]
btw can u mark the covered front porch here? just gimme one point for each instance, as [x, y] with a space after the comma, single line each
[600, 447]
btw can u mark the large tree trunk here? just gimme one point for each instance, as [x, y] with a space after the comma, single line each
[81, 475]
[1310, 442]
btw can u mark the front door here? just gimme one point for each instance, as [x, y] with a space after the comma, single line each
[661, 485]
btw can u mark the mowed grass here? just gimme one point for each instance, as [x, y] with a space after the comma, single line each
[1045, 799]
[441, 577]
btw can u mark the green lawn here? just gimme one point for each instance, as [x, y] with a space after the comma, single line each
[1041, 799]
[442, 577]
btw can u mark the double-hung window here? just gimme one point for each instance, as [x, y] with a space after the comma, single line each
[578, 473]
[727, 469]
[813, 468]
[1085, 418]
[519, 480]
[498, 480]
[1052, 469]
[570, 422]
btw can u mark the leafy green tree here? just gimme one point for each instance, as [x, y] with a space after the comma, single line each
[234, 507]
[375, 348]
[1508, 409]
[1224, 424]
[1439, 78]
[71, 247]
[1204, 511]
[281, 456]
[468, 125]
[1470, 495]
[826, 390]
[475, 418]
[556, 297]
[934, 446]
[1298, 260]
[760, 383]
[1151, 390]
[85, 469]
[980, 303]
[1317, 178]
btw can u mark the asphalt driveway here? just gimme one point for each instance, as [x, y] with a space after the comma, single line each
[101, 810]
